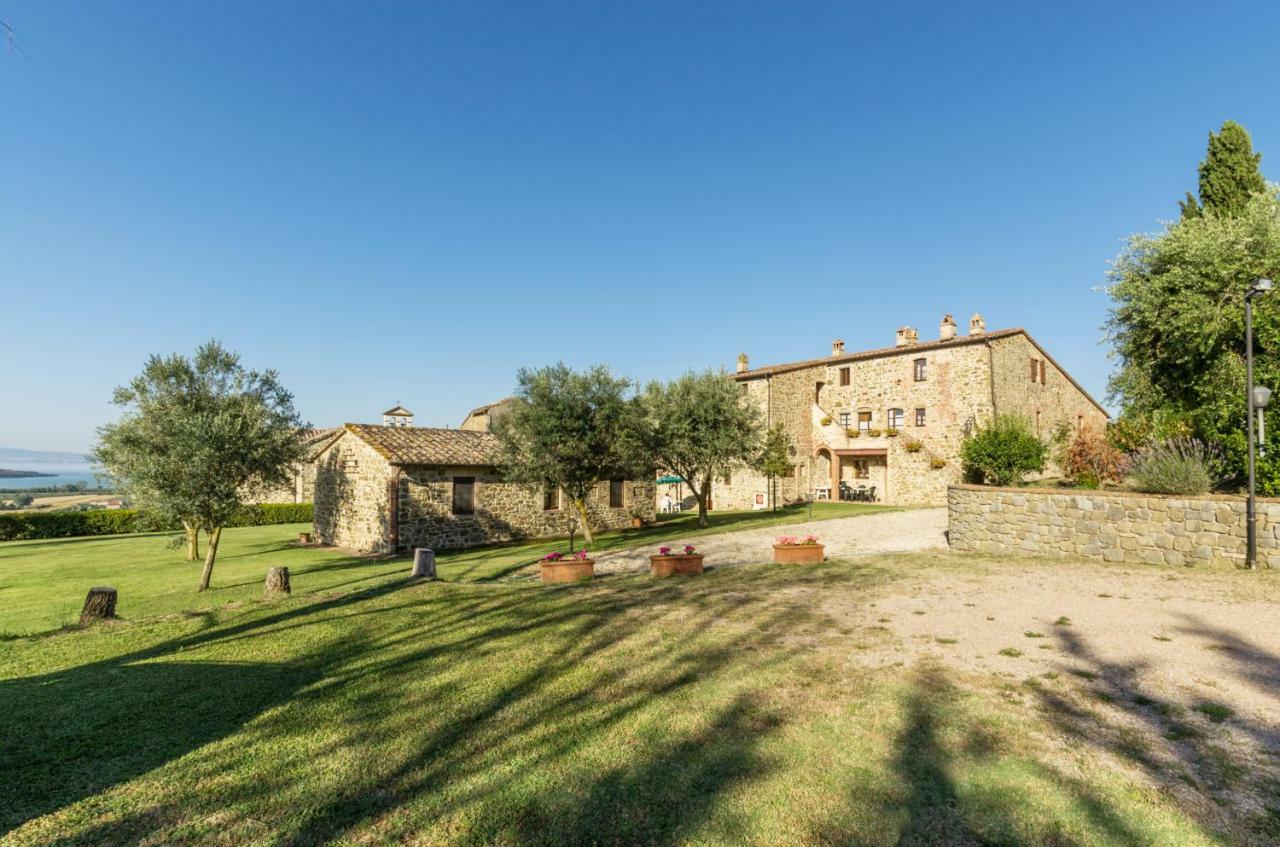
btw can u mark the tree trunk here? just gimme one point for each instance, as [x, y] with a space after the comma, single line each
[581, 506]
[193, 541]
[702, 500]
[214, 536]
[100, 603]
[278, 581]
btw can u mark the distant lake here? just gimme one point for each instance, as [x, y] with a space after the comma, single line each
[64, 473]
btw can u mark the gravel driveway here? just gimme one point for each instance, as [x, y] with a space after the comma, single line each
[882, 532]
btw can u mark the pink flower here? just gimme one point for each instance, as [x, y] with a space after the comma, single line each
[553, 557]
[688, 549]
[581, 555]
[664, 551]
[787, 540]
[810, 539]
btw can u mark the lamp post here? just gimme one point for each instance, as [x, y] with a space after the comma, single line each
[1260, 286]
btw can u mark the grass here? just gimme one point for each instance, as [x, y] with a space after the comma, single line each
[153, 579]
[475, 710]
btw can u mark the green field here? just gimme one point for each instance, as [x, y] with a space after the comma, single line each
[727, 709]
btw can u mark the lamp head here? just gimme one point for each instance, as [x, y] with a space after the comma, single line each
[1261, 396]
[1260, 286]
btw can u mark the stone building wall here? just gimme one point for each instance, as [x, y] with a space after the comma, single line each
[1056, 402]
[352, 497]
[299, 489]
[1109, 526]
[504, 511]
[965, 383]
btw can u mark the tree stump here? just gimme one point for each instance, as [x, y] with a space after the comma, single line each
[424, 562]
[99, 604]
[278, 581]
[304, 538]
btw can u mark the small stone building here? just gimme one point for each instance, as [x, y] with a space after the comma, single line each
[301, 487]
[893, 418]
[387, 489]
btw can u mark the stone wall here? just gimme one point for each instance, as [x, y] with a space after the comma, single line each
[352, 497]
[504, 511]
[1109, 526]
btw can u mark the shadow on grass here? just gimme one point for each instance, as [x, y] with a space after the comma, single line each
[1221, 766]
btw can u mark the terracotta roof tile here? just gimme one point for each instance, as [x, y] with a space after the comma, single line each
[416, 445]
[958, 341]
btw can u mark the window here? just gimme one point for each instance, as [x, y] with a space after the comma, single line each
[615, 494]
[919, 417]
[1042, 371]
[920, 366]
[728, 478]
[844, 376]
[550, 499]
[790, 472]
[744, 387]
[864, 421]
[464, 495]
[1037, 421]
[1079, 422]
[895, 419]
[1035, 369]
[861, 469]
[817, 392]
[844, 420]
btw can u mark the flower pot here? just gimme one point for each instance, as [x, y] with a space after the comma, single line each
[637, 523]
[798, 554]
[304, 538]
[680, 564]
[568, 570]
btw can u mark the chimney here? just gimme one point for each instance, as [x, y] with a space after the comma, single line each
[743, 365]
[947, 330]
[907, 337]
[837, 347]
[977, 326]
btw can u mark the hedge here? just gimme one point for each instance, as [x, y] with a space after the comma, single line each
[24, 526]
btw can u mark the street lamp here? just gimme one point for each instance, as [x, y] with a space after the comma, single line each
[1260, 286]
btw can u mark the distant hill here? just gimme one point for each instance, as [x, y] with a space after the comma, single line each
[6, 473]
[10, 455]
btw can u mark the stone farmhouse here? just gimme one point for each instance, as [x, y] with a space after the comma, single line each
[390, 488]
[887, 424]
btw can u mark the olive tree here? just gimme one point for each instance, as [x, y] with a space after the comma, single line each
[570, 430]
[197, 436]
[700, 426]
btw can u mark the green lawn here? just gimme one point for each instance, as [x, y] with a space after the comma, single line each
[727, 709]
[43, 583]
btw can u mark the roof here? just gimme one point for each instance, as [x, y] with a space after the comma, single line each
[480, 410]
[314, 434]
[958, 341]
[415, 445]
[397, 412]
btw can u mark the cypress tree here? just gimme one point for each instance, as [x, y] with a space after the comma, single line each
[1229, 174]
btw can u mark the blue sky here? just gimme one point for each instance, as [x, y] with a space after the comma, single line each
[409, 201]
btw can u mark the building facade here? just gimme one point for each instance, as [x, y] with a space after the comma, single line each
[388, 489]
[888, 423]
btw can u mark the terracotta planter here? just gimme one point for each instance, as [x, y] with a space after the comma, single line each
[798, 554]
[637, 523]
[304, 538]
[680, 564]
[568, 570]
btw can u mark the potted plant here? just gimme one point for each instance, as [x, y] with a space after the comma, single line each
[826, 421]
[937, 463]
[891, 433]
[668, 563]
[913, 445]
[852, 433]
[574, 567]
[637, 517]
[793, 550]
[873, 433]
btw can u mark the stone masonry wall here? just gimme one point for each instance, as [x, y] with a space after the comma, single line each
[352, 496]
[1110, 526]
[504, 511]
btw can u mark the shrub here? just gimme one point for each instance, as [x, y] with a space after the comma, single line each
[826, 421]
[912, 445]
[1003, 452]
[874, 433]
[937, 463]
[33, 525]
[1091, 460]
[1176, 466]
[891, 433]
[851, 433]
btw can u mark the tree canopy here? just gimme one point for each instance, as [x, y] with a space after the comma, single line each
[570, 430]
[700, 426]
[197, 436]
[1177, 326]
[1229, 174]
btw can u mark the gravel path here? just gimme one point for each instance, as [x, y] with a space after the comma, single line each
[882, 532]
